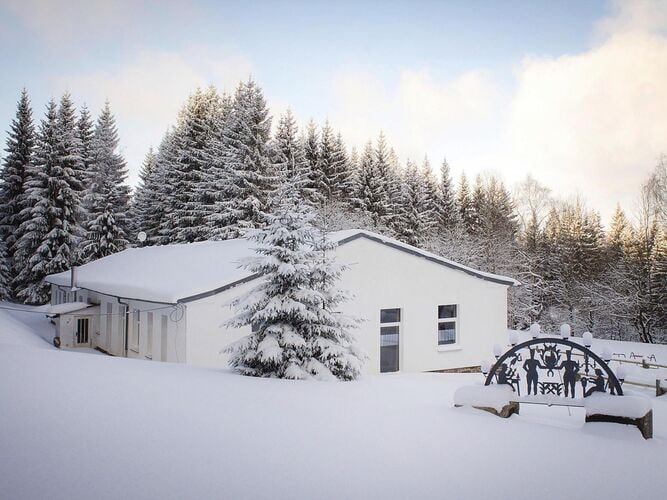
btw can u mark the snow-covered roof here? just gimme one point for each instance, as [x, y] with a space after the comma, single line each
[187, 271]
[66, 307]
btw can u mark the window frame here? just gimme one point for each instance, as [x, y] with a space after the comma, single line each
[149, 335]
[391, 324]
[136, 331]
[452, 320]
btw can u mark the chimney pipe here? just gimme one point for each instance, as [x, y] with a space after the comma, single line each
[73, 273]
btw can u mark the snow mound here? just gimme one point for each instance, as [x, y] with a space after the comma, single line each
[617, 406]
[494, 396]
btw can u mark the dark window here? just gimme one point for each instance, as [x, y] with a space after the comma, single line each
[447, 319]
[82, 331]
[388, 336]
[390, 316]
[389, 339]
[446, 312]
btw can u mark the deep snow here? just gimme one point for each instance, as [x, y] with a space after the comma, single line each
[79, 426]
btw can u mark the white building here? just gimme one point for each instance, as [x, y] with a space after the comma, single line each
[168, 303]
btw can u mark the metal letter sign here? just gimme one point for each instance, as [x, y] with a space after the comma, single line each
[553, 366]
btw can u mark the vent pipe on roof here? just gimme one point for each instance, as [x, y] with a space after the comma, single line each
[73, 283]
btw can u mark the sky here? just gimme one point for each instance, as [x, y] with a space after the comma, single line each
[573, 93]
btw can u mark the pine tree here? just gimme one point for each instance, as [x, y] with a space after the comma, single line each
[247, 155]
[331, 175]
[617, 234]
[297, 332]
[107, 196]
[346, 172]
[144, 196]
[69, 158]
[447, 212]
[46, 240]
[5, 274]
[478, 205]
[190, 175]
[311, 151]
[31, 231]
[160, 212]
[85, 134]
[288, 156]
[416, 217]
[20, 146]
[465, 204]
[371, 197]
[103, 236]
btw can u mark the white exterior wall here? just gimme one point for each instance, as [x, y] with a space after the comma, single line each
[109, 334]
[383, 278]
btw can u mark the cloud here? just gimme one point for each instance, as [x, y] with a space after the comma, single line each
[77, 23]
[419, 113]
[595, 122]
[147, 91]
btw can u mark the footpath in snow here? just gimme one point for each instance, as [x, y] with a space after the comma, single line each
[76, 426]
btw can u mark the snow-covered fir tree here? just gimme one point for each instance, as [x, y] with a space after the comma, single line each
[107, 197]
[311, 151]
[187, 177]
[288, 156]
[19, 153]
[70, 160]
[464, 201]
[246, 153]
[85, 134]
[416, 217]
[144, 196]
[103, 236]
[447, 212]
[298, 332]
[5, 273]
[46, 241]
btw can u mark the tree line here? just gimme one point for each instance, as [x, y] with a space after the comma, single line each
[64, 201]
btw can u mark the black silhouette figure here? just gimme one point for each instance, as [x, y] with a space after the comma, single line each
[531, 365]
[598, 383]
[503, 376]
[570, 369]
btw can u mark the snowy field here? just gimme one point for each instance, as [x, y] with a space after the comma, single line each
[77, 426]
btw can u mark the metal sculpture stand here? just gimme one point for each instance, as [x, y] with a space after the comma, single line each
[553, 377]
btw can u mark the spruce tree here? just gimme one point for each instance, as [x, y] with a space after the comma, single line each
[85, 134]
[104, 236]
[447, 211]
[247, 155]
[19, 149]
[107, 190]
[189, 175]
[297, 331]
[144, 196]
[311, 151]
[46, 241]
[288, 156]
[415, 219]
[70, 160]
[464, 199]
[5, 274]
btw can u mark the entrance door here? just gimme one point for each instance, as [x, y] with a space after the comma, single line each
[390, 329]
[82, 329]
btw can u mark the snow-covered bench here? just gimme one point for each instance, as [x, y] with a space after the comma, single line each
[501, 400]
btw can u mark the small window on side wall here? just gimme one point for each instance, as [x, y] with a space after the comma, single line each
[447, 323]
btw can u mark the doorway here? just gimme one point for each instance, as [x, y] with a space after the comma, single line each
[82, 331]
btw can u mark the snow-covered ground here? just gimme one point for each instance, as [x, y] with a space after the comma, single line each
[76, 426]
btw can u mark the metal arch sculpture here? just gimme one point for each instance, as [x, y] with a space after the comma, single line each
[552, 361]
